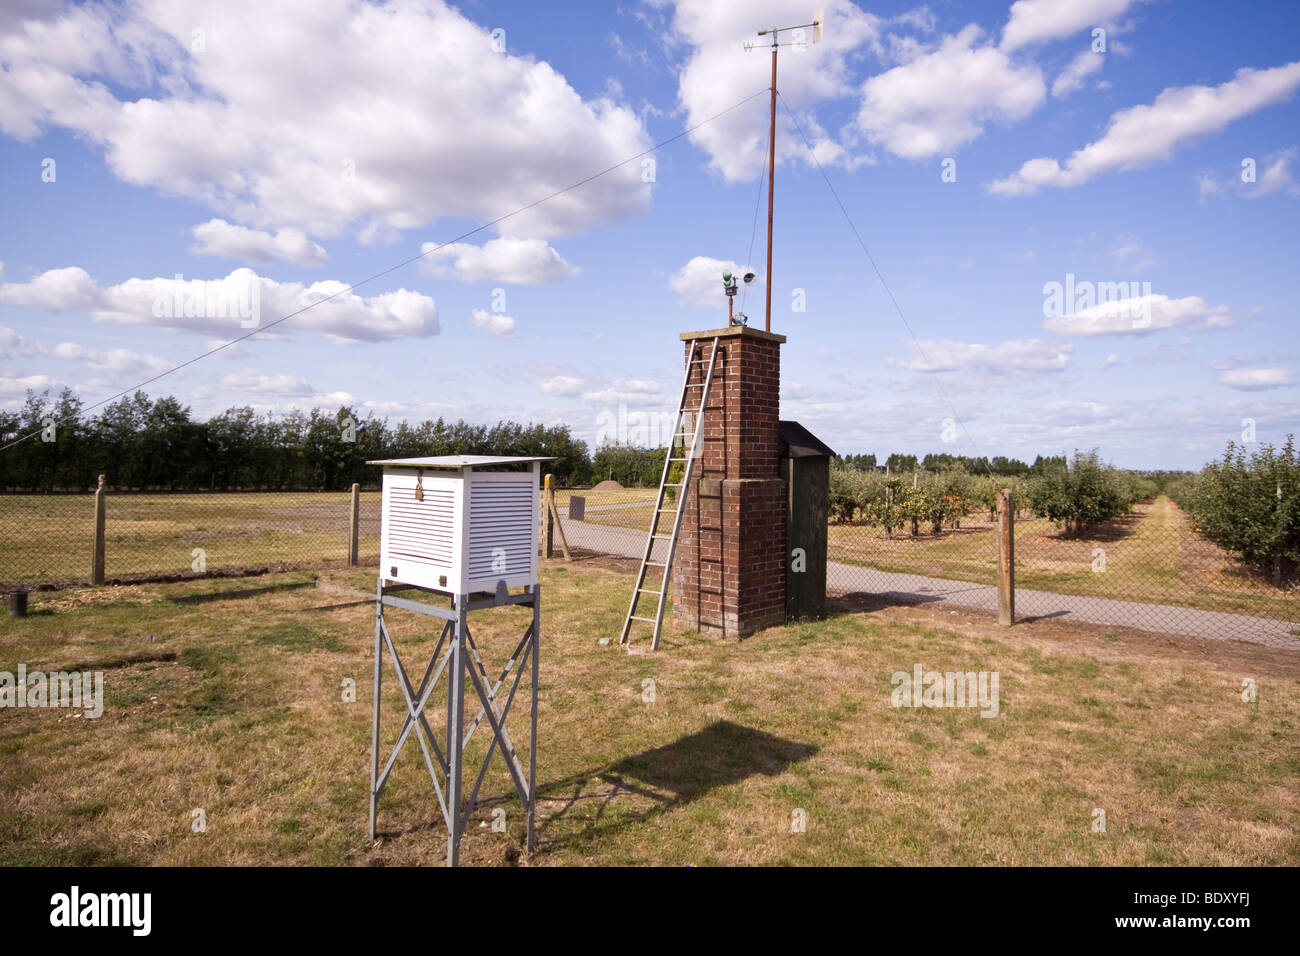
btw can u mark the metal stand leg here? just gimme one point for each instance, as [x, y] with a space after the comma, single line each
[374, 731]
[455, 719]
[532, 742]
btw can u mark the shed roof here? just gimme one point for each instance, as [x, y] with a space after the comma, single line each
[457, 461]
[801, 443]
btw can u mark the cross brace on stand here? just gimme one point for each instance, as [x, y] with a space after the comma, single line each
[457, 655]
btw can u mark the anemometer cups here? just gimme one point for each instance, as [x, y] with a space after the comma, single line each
[729, 281]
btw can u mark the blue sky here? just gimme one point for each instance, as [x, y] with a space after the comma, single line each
[281, 147]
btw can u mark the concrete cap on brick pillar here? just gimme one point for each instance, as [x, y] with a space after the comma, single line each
[733, 330]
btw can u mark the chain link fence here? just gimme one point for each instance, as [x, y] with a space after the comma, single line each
[49, 540]
[1149, 567]
[606, 519]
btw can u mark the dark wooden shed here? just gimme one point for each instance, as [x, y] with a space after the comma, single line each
[806, 468]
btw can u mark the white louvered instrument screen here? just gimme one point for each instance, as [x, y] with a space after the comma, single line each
[502, 535]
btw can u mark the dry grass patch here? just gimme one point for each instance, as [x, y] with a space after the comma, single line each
[236, 707]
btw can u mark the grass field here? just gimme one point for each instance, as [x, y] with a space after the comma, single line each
[234, 706]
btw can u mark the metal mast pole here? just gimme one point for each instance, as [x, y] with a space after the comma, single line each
[771, 173]
[775, 33]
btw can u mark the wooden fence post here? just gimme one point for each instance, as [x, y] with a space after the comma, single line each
[548, 521]
[97, 562]
[1281, 528]
[355, 521]
[559, 526]
[1006, 558]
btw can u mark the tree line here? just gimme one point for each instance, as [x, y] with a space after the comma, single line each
[999, 465]
[145, 444]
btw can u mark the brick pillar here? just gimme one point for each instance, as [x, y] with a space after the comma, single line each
[729, 569]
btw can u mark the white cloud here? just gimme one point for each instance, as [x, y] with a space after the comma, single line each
[116, 361]
[699, 282]
[1131, 253]
[253, 383]
[1027, 355]
[333, 399]
[625, 390]
[19, 386]
[942, 98]
[220, 238]
[231, 352]
[324, 117]
[57, 290]
[1112, 360]
[561, 385]
[1037, 21]
[1143, 135]
[1207, 186]
[219, 306]
[525, 261]
[502, 326]
[1276, 176]
[1138, 315]
[718, 73]
[1086, 63]
[13, 345]
[1257, 379]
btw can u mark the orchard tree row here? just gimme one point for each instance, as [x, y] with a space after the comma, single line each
[1080, 494]
[1249, 504]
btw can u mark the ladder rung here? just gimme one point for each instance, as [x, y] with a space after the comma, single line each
[693, 433]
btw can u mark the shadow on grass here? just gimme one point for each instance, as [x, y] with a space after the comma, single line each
[242, 594]
[857, 602]
[663, 779]
[1105, 532]
[1030, 618]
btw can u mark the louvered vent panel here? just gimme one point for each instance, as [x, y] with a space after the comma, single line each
[420, 530]
[501, 516]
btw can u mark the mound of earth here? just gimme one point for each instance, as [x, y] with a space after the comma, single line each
[608, 486]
